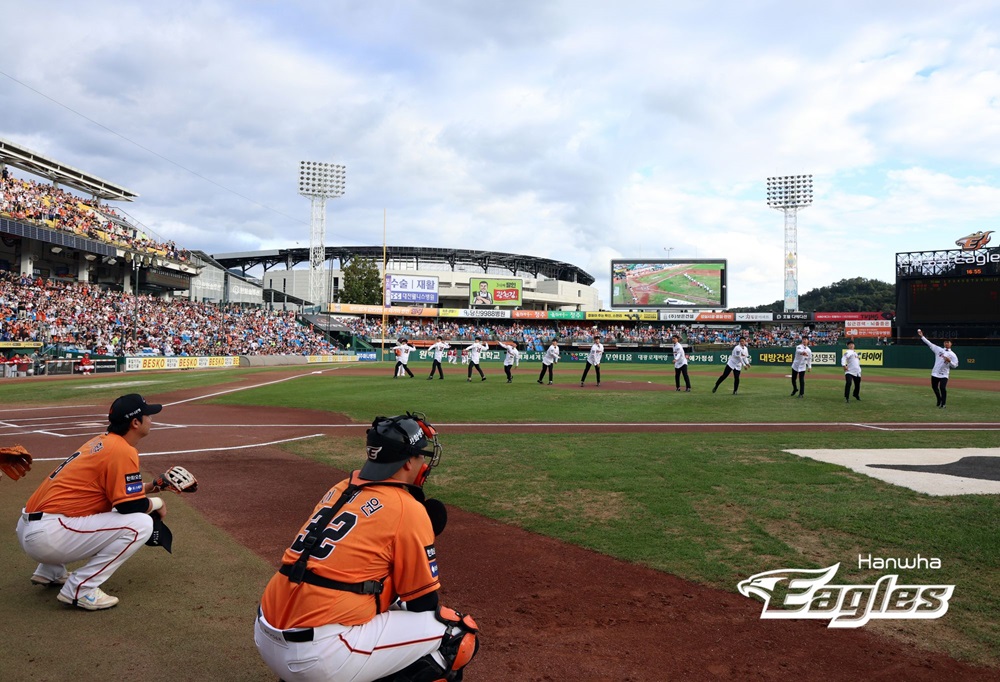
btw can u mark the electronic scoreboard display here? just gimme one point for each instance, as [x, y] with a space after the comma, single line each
[944, 300]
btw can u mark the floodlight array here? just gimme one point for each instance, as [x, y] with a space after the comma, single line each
[789, 191]
[318, 179]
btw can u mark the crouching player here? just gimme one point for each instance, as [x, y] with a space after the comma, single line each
[356, 597]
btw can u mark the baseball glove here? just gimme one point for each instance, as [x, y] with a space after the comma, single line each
[15, 461]
[176, 480]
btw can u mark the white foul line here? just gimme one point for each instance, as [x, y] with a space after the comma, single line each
[185, 452]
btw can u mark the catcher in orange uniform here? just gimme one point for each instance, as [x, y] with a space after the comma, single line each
[356, 597]
[94, 507]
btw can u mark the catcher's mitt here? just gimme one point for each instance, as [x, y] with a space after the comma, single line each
[15, 461]
[176, 480]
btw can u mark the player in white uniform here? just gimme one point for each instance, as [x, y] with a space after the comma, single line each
[511, 359]
[801, 363]
[402, 351]
[474, 350]
[945, 362]
[593, 360]
[680, 365]
[852, 372]
[438, 349]
[738, 360]
[550, 358]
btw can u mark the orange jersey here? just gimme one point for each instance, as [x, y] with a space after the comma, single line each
[102, 473]
[383, 533]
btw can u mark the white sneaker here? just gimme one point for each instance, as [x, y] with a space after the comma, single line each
[38, 579]
[95, 600]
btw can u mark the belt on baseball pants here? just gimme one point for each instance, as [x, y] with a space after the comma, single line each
[33, 516]
[296, 635]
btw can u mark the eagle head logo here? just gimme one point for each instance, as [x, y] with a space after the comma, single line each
[974, 241]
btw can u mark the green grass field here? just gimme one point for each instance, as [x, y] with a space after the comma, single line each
[709, 507]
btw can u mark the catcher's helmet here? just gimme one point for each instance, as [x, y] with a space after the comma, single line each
[393, 440]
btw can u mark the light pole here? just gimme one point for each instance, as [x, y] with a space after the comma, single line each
[669, 250]
[789, 193]
[319, 181]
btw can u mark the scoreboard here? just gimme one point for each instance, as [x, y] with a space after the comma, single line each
[955, 299]
[955, 293]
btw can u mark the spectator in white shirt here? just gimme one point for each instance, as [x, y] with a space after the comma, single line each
[475, 348]
[945, 361]
[738, 360]
[852, 372]
[402, 350]
[510, 360]
[593, 360]
[438, 348]
[680, 365]
[801, 363]
[550, 358]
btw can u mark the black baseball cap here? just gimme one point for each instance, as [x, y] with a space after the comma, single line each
[129, 407]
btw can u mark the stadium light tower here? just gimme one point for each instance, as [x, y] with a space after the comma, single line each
[319, 181]
[789, 193]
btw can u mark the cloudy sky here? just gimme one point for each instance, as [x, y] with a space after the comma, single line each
[578, 130]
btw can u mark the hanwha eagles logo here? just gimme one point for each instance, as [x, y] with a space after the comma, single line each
[976, 240]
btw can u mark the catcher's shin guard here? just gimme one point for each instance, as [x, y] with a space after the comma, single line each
[459, 645]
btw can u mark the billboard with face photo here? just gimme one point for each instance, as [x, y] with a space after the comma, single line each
[485, 291]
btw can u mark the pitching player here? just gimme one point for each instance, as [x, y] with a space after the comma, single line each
[739, 359]
[510, 359]
[593, 360]
[438, 348]
[945, 362]
[801, 363]
[402, 351]
[852, 372]
[356, 598]
[474, 350]
[680, 365]
[93, 507]
[550, 358]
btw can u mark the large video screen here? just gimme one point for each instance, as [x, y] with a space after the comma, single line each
[668, 284]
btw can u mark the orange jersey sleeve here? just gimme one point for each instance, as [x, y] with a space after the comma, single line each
[383, 533]
[101, 474]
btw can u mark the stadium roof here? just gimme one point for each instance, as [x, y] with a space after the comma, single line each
[15, 155]
[513, 262]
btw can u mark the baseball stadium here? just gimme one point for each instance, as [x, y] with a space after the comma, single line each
[581, 516]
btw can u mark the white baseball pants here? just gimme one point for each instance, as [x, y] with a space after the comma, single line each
[107, 539]
[359, 653]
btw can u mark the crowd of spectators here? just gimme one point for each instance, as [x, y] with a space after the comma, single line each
[105, 322]
[537, 335]
[28, 201]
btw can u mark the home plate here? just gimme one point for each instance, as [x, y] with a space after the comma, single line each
[947, 471]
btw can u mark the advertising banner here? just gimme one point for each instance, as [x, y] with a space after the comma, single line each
[716, 317]
[867, 332]
[566, 315]
[634, 317]
[754, 317]
[678, 317]
[411, 289]
[487, 291]
[530, 314]
[792, 317]
[354, 309]
[156, 362]
[841, 317]
[471, 312]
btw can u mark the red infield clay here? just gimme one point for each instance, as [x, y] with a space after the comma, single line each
[548, 611]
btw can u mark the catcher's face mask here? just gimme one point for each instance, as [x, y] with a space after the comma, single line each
[432, 458]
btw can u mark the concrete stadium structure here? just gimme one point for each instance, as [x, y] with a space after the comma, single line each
[547, 284]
